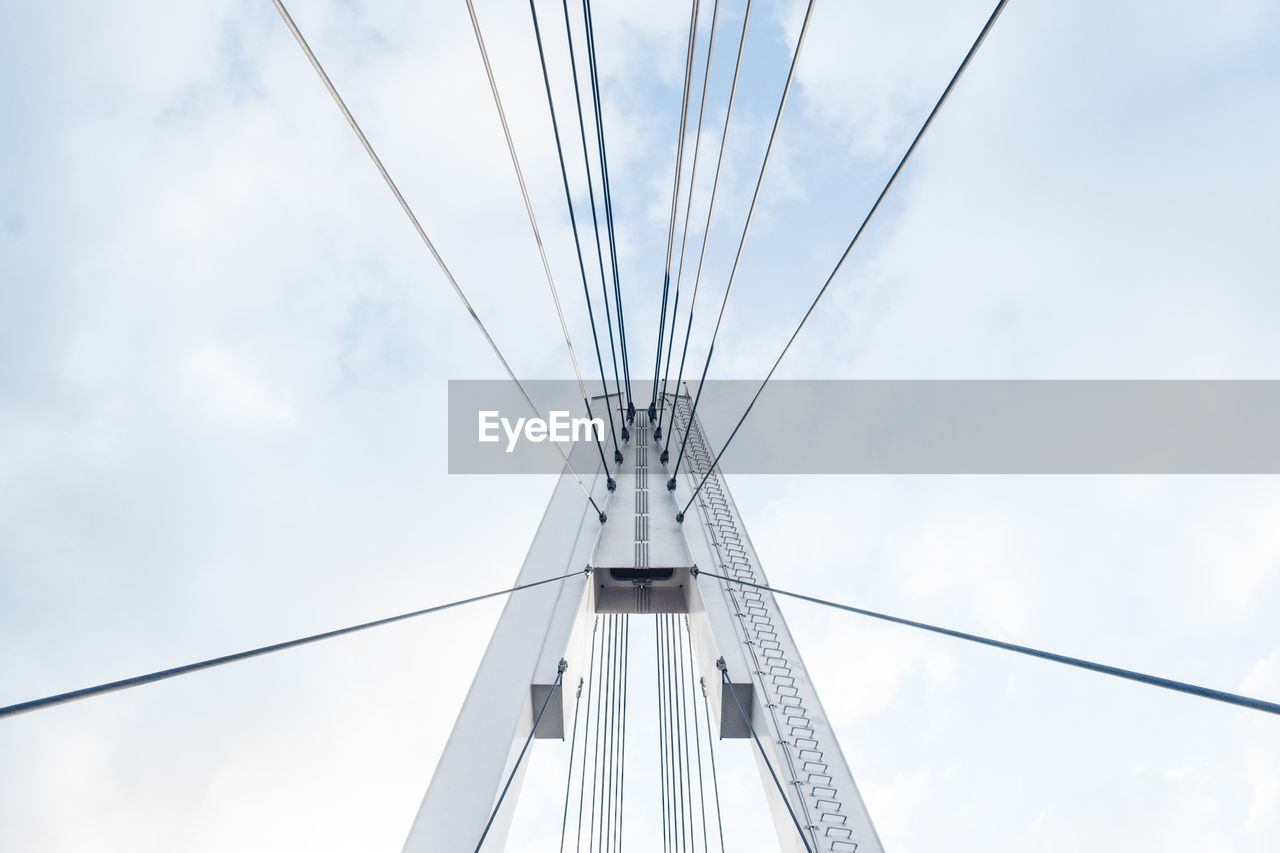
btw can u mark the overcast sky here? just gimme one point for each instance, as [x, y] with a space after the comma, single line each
[224, 356]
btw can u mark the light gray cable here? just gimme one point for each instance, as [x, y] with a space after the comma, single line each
[417, 226]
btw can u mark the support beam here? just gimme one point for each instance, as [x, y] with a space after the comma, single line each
[533, 633]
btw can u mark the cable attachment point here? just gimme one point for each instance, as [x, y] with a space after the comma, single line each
[631, 412]
[603, 517]
[671, 484]
[657, 434]
[720, 665]
[653, 411]
[694, 571]
[626, 435]
[617, 457]
[679, 517]
[664, 457]
[613, 484]
[564, 664]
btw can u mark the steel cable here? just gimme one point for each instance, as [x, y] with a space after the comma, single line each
[608, 198]
[746, 226]
[668, 831]
[519, 758]
[697, 742]
[782, 792]
[688, 209]
[675, 201]
[715, 781]
[161, 675]
[592, 677]
[682, 727]
[622, 751]
[1105, 669]
[946, 93]
[417, 226]
[573, 224]
[595, 220]
[706, 228]
[568, 781]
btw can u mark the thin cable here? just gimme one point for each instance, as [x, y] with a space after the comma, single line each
[682, 726]
[688, 209]
[573, 223]
[626, 679]
[538, 237]
[1105, 669]
[611, 738]
[395, 190]
[586, 720]
[593, 676]
[595, 221]
[667, 827]
[602, 722]
[706, 229]
[608, 199]
[946, 93]
[675, 199]
[715, 780]
[746, 226]
[673, 762]
[682, 734]
[161, 675]
[622, 732]
[493, 814]
[697, 742]
[615, 776]
[776, 781]
[568, 780]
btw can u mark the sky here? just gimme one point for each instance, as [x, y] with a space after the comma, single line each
[223, 367]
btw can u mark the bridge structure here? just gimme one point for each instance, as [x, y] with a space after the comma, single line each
[649, 531]
[719, 643]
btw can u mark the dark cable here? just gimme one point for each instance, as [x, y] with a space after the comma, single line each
[542, 251]
[673, 763]
[706, 228]
[607, 789]
[417, 226]
[1131, 675]
[161, 675]
[682, 708]
[746, 226]
[608, 198]
[595, 221]
[776, 781]
[675, 201]
[946, 93]
[568, 780]
[519, 758]
[697, 743]
[602, 722]
[622, 752]
[688, 209]
[663, 763]
[593, 676]
[573, 226]
[715, 780]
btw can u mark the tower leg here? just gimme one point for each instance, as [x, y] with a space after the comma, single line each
[536, 629]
